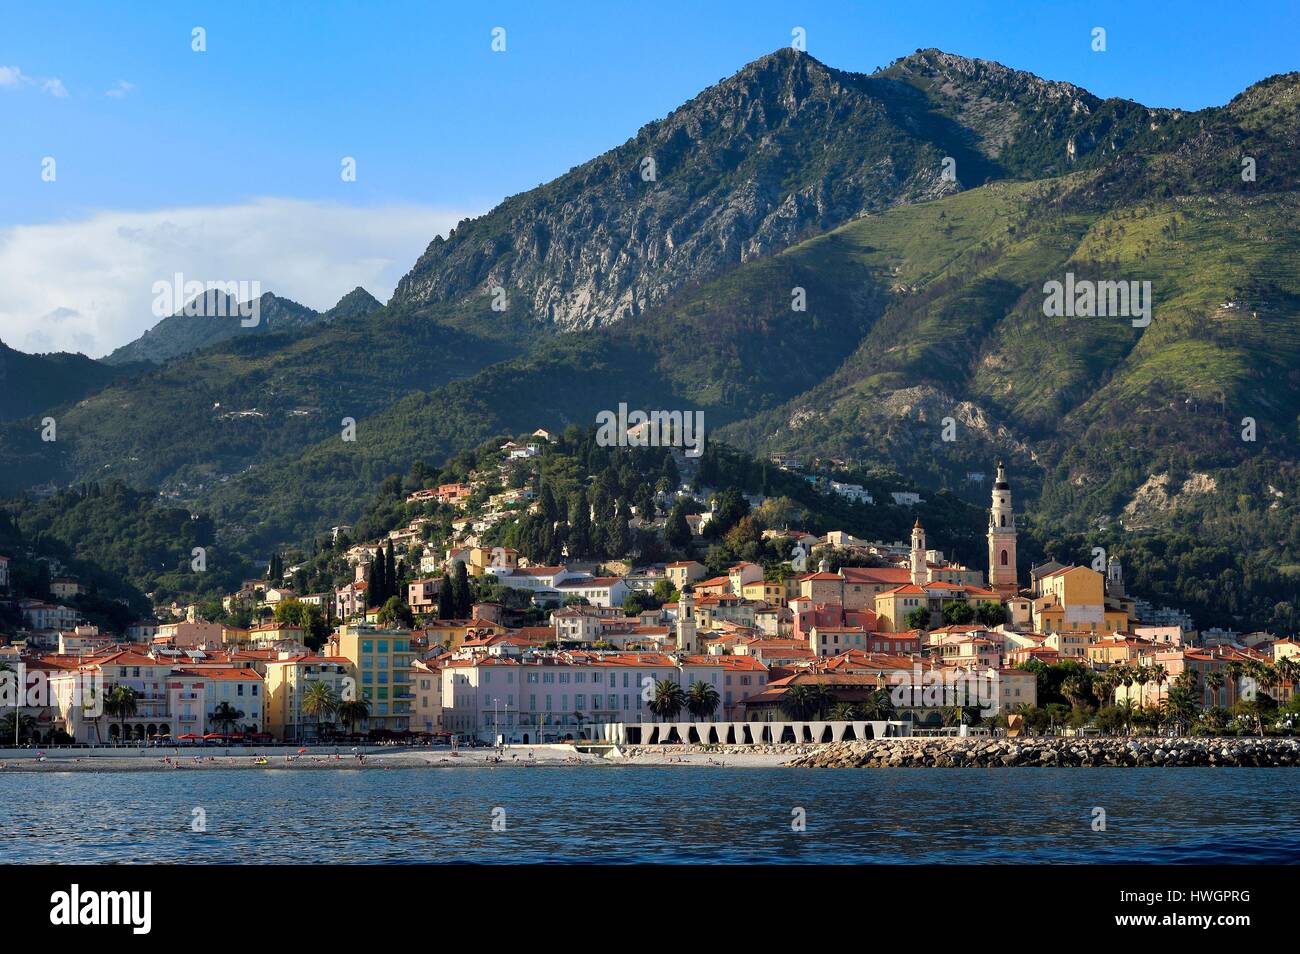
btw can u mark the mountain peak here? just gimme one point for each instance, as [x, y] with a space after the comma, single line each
[355, 304]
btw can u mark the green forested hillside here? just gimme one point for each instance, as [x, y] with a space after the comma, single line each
[924, 349]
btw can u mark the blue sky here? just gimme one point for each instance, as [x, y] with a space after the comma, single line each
[441, 126]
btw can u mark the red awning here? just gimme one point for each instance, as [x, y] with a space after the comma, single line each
[213, 735]
[187, 735]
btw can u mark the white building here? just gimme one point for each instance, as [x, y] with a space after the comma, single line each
[598, 591]
[853, 492]
[41, 615]
[548, 697]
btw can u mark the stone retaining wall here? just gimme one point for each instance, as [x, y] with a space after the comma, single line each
[1053, 752]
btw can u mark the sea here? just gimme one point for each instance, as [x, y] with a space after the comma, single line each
[687, 815]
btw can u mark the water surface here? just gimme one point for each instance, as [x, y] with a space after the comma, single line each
[676, 814]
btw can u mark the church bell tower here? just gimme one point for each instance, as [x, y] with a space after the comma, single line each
[1002, 537]
[920, 568]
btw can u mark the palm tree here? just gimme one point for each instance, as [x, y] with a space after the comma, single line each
[352, 711]
[1142, 675]
[1159, 675]
[1126, 676]
[319, 701]
[17, 725]
[1235, 670]
[224, 715]
[877, 707]
[1287, 670]
[1103, 686]
[18, 699]
[844, 712]
[820, 699]
[1180, 705]
[702, 700]
[1076, 689]
[669, 700]
[1126, 711]
[1214, 683]
[954, 715]
[120, 703]
[796, 703]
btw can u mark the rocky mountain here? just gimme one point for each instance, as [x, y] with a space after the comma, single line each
[923, 307]
[783, 149]
[355, 304]
[218, 319]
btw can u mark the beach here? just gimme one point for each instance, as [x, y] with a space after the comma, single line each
[324, 759]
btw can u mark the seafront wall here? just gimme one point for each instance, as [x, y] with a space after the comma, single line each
[1053, 752]
[56, 752]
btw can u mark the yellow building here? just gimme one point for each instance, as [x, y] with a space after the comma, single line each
[287, 680]
[452, 633]
[771, 593]
[893, 606]
[481, 558]
[1073, 600]
[1071, 645]
[382, 659]
[1114, 650]
[683, 572]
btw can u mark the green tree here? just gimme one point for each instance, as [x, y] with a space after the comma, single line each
[669, 700]
[352, 711]
[446, 598]
[958, 614]
[991, 614]
[918, 618]
[395, 610]
[320, 702]
[678, 532]
[16, 727]
[120, 703]
[702, 699]
[462, 598]
[224, 715]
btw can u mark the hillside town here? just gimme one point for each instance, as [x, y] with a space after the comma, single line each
[445, 634]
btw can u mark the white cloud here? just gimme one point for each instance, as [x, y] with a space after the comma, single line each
[87, 285]
[121, 89]
[12, 77]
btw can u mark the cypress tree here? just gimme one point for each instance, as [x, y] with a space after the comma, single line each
[390, 573]
[379, 592]
[580, 526]
[446, 601]
[460, 592]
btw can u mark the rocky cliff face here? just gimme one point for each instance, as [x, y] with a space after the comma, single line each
[783, 149]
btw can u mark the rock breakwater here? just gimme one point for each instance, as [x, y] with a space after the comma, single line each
[1054, 753]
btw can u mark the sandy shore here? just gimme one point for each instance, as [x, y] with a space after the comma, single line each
[513, 757]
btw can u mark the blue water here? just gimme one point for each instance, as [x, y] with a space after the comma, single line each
[653, 814]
